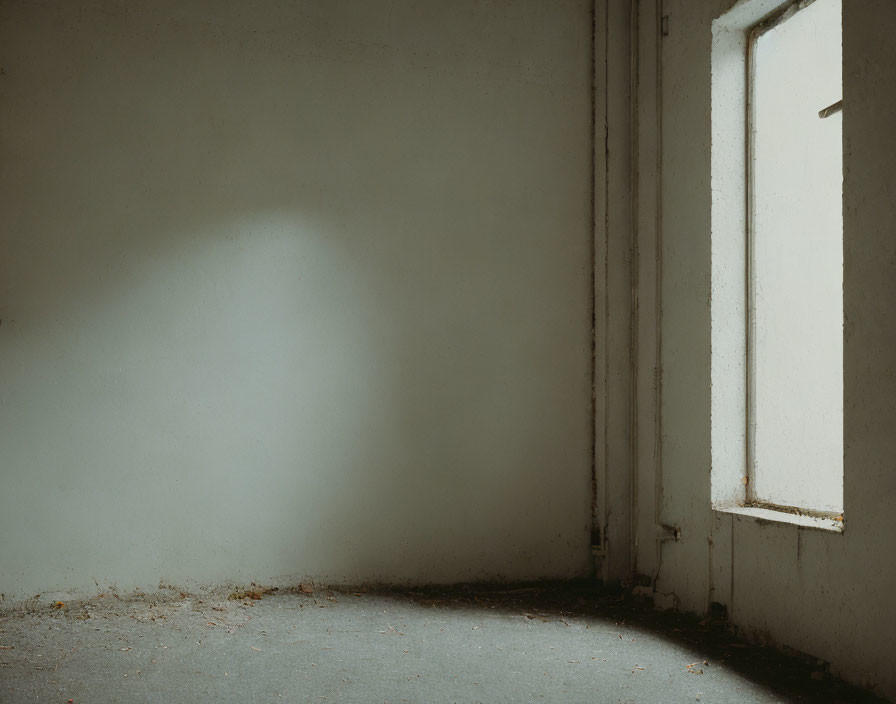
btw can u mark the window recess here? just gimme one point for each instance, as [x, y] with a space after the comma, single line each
[781, 375]
[795, 260]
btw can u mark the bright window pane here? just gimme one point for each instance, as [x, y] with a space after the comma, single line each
[797, 285]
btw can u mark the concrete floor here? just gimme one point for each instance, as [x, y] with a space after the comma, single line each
[525, 645]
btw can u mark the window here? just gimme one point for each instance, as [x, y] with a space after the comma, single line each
[795, 279]
[786, 364]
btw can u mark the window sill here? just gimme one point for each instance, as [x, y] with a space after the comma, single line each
[767, 515]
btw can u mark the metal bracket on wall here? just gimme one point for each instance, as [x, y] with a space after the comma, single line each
[598, 546]
[831, 109]
[666, 532]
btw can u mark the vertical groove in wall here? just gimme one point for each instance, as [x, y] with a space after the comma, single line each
[618, 285]
[600, 289]
[658, 291]
[606, 341]
[595, 513]
[635, 274]
[646, 39]
[606, 272]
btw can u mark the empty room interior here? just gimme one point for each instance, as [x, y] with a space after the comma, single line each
[470, 351]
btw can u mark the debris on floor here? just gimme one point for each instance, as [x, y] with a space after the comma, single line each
[550, 643]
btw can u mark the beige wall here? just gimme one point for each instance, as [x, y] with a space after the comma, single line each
[305, 292]
[294, 290]
[823, 593]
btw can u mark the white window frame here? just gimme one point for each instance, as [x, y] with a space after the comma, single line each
[733, 38]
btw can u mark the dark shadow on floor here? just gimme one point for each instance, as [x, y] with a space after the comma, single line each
[795, 677]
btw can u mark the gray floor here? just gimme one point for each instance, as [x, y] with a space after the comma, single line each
[346, 647]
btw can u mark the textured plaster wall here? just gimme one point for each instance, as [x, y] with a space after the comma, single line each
[823, 593]
[294, 290]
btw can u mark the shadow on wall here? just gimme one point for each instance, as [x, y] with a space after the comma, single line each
[272, 316]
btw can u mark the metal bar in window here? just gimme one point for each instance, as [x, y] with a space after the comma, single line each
[831, 109]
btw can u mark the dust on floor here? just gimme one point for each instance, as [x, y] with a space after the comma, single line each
[545, 643]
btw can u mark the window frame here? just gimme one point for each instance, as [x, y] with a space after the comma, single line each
[730, 222]
[753, 33]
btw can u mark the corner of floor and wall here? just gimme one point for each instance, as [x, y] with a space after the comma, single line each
[828, 594]
[408, 293]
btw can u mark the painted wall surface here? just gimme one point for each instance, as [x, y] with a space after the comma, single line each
[294, 290]
[824, 593]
